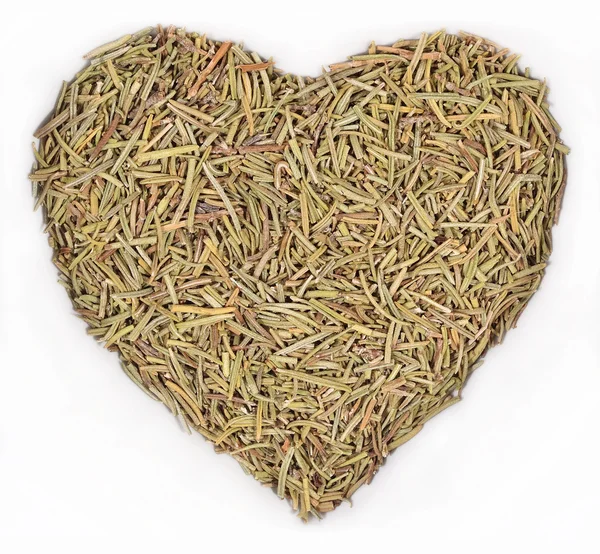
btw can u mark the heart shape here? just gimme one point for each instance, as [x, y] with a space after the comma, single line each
[303, 270]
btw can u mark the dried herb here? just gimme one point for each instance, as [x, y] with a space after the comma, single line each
[303, 270]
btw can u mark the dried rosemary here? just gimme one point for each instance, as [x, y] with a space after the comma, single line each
[303, 270]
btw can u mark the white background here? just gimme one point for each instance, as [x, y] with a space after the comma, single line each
[88, 463]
